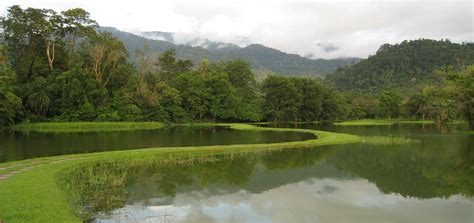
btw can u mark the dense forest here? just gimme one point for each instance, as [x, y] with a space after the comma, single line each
[403, 67]
[57, 66]
[421, 79]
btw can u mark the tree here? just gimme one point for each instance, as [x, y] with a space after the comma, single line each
[170, 67]
[193, 93]
[38, 98]
[10, 104]
[170, 100]
[53, 33]
[311, 105]
[461, 83]
[334, 106]
[222, 98]
[105, 54]
[390, 103]
[418, 105]
[77, 23]
[281, 98]
[146, 65]
[24, 34]
[243, 81]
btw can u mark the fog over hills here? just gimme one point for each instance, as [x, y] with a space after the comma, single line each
[262, 59]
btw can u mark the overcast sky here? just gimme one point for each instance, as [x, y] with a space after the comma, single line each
[321, 28]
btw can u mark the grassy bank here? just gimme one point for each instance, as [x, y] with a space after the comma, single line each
[373, 122]
[386, 140]
[86, 126]
[36, 195]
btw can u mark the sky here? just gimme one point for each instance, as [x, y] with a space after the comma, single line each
[316, 29]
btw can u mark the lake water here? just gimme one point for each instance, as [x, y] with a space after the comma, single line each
[430, 181]
[23, 145]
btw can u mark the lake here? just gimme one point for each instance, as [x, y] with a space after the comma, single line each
[20, 145]
[429, 181]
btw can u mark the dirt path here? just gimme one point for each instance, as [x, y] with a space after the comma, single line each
[11, 170]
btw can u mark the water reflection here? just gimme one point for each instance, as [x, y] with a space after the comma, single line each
[332, 184]
[431, 181]
[23, 145]
[311, 200]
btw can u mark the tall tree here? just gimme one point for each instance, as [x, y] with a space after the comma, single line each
[311, 105]
[105, 53]
[10, 103]
[222, 98]
[24, 33]
[243, 81]
[77, 23]
[418, 105]
[461, 83]
[281, 98]
[390, 102]
[170, 67]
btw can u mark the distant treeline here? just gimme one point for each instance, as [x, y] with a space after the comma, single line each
[56, 67]
[404, 67]
[422, 79]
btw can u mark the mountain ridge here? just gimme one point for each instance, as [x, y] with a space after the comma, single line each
[404, 66]
[260, 57]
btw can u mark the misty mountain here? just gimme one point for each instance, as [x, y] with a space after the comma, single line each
[262, 59]
[191, 40]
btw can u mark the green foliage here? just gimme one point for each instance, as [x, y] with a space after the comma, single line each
[193, 94]
[69, 72]
[222, 100]
[362, 106]
[390, 102]
[281, 98]
[461, 84]
[403, 66]
[300, 99]
[10, 104]
[385, 140]
[418, 105]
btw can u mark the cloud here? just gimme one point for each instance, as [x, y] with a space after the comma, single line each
[312, 200]
[353, 28]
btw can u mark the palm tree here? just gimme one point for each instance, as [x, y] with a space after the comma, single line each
[39, 101]
[422, 104]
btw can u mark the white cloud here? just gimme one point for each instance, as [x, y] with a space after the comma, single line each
[355, 28]
[312, 200]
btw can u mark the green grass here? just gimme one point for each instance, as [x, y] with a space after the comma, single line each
[86, 126]
[374, 122]
[364, 122]
[385, 140]
[36, 195]
[467, 131]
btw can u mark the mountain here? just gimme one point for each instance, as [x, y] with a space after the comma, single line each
[402, 66]
[262, 59]
[191, 40]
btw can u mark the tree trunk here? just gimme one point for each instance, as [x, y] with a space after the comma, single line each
[50, 53]
[71, 50]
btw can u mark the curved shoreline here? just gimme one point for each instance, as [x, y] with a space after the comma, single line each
[35, 195]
